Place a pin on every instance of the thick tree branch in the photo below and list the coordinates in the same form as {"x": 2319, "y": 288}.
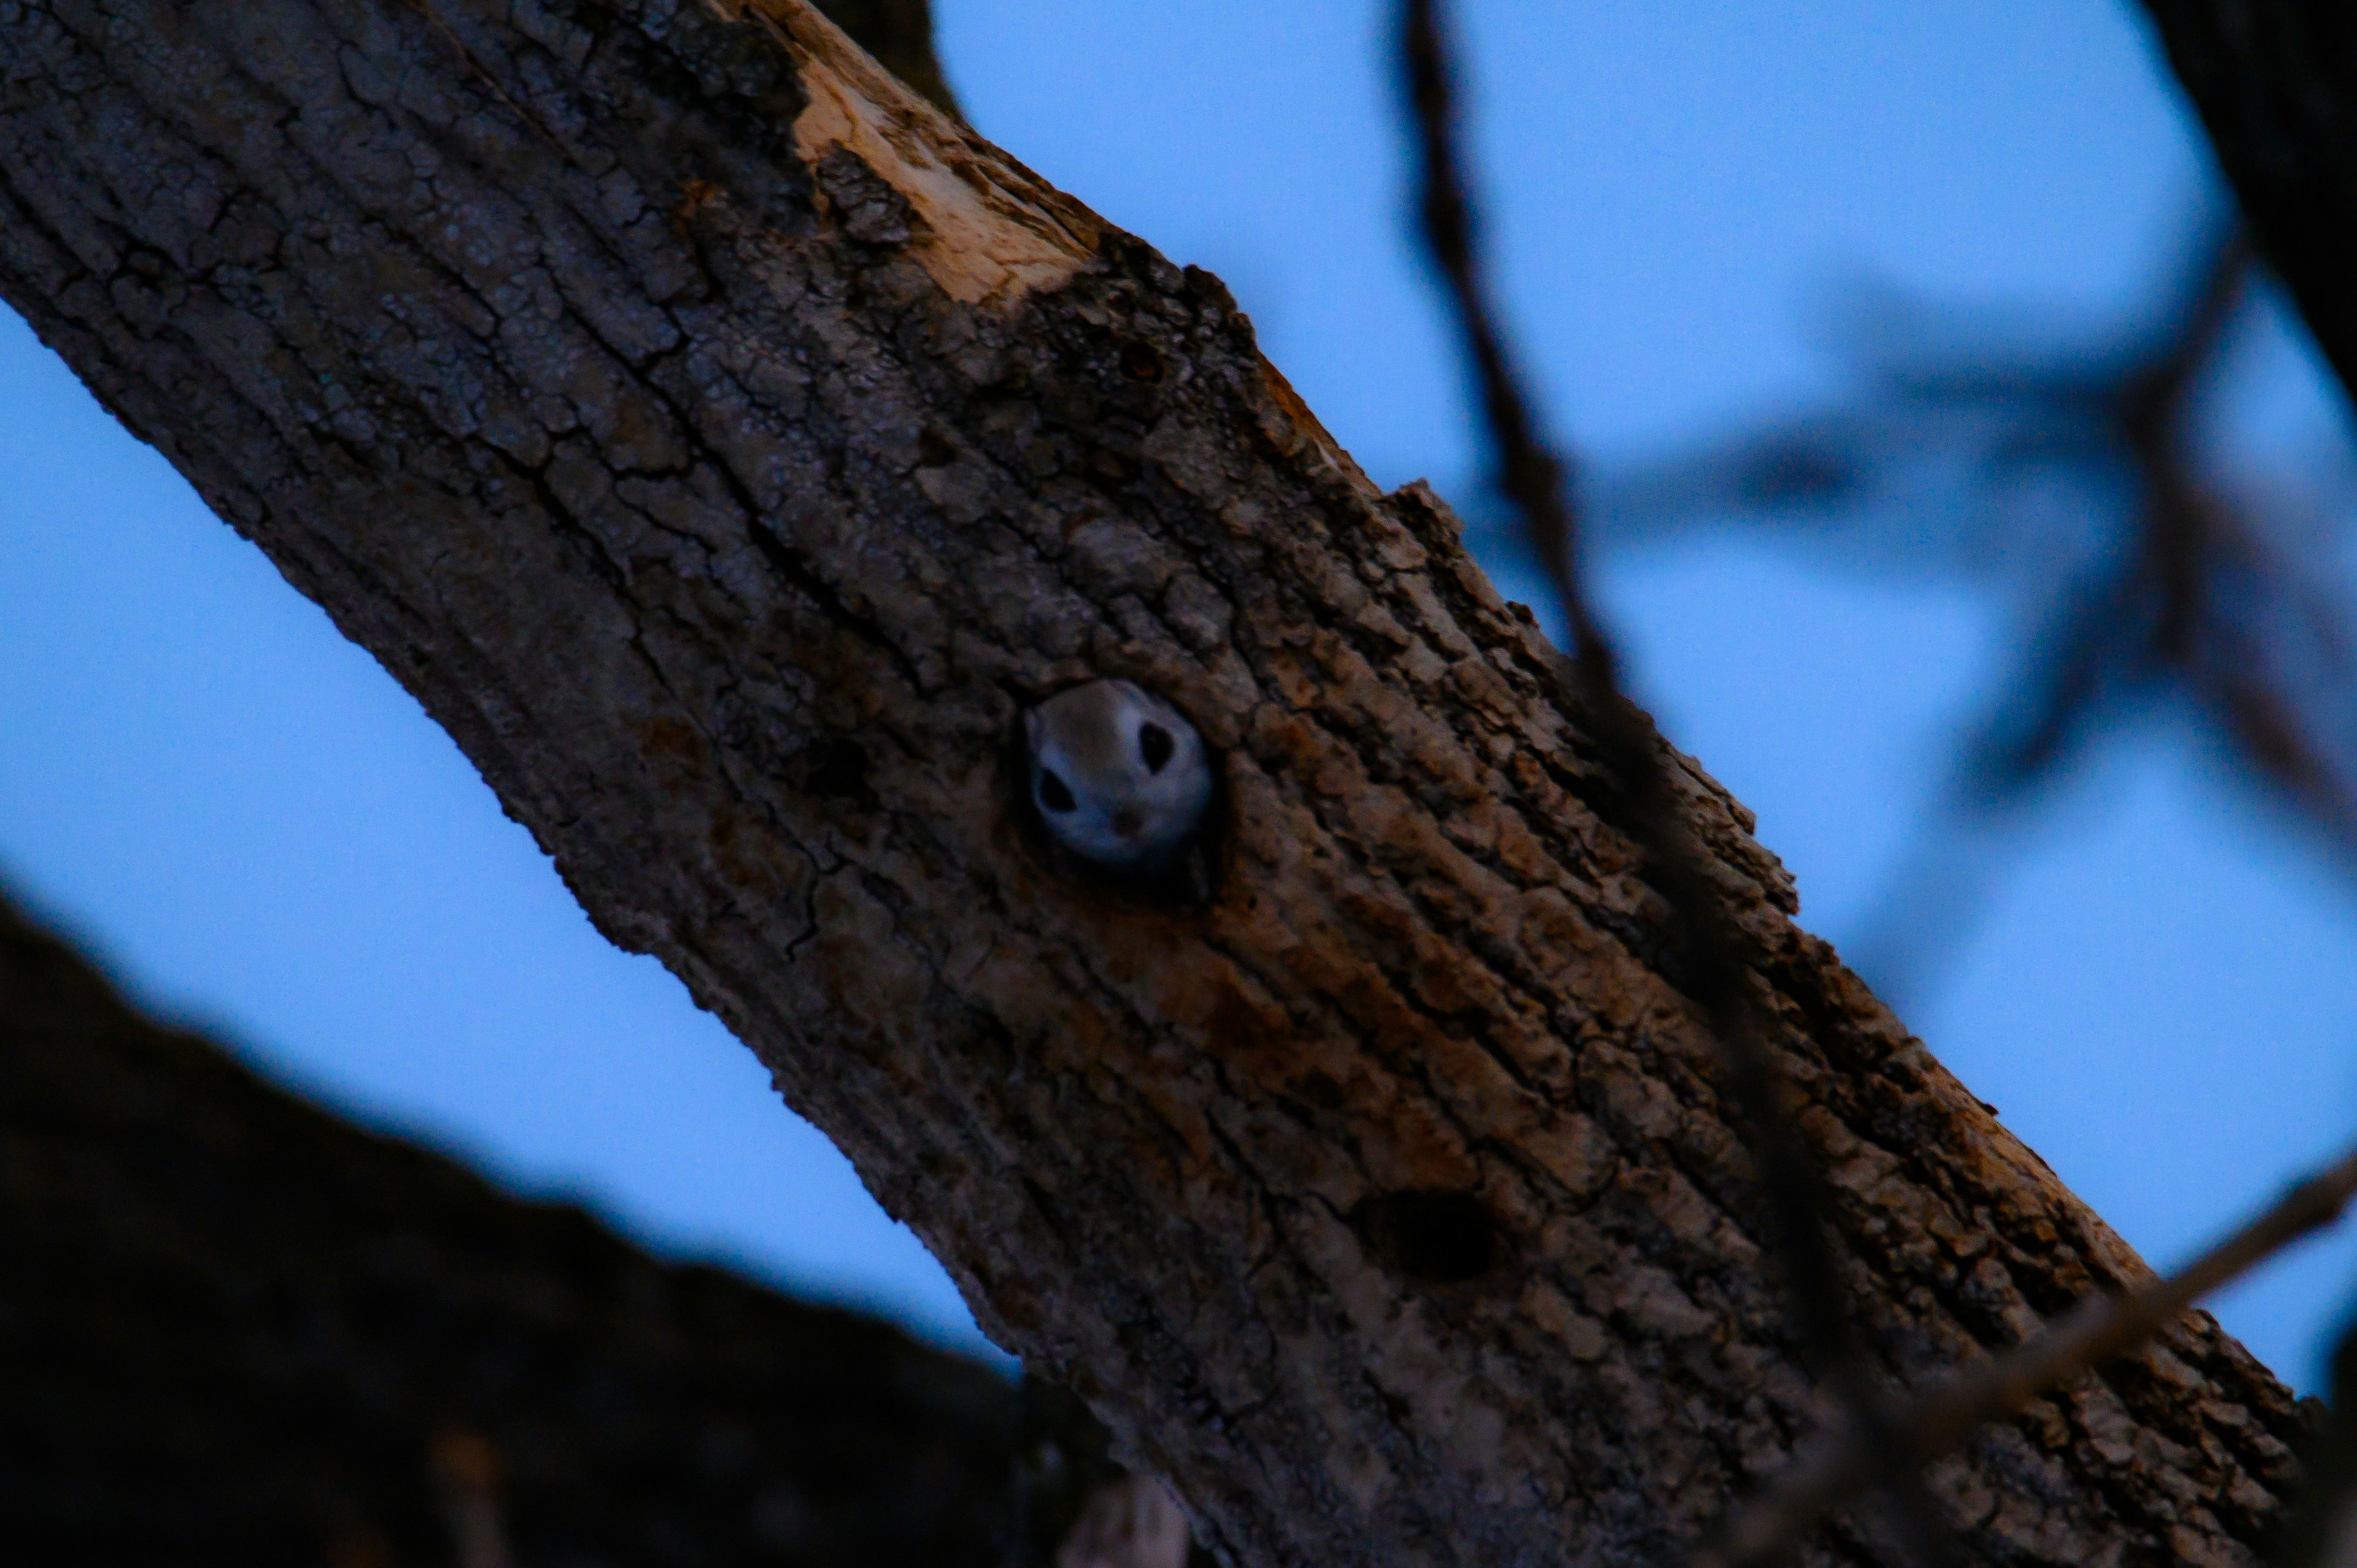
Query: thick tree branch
{"x": 1532, "y": 479}
{"x": 725, "y": 445}
{"x": 1849, "y": 1456}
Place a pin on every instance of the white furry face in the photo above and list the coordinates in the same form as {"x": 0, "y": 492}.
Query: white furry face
{"x": 1119, "y": 777}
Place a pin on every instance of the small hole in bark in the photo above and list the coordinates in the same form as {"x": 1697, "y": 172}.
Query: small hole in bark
{"x": 1140, "y": 364}
{"x": 838, "y": 769}
{"x": 935, "y": 450}
{"x": 1441, "y": 1237}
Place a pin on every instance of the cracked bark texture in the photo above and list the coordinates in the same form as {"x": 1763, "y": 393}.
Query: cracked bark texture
{"x": 723, "y": 445}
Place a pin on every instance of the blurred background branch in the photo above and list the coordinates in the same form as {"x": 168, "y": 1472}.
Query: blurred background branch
{"x": 2081, "y": 478}
{"x": 236, "y": 1329}
{"x": 1531, "y": 479}
{"x": 2083, "y": 473}
{"x": 1896, "y": 483}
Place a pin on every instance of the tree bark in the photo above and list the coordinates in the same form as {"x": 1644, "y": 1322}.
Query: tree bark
{"x": 2276, "y": 84}
{"x": 724, "y": 447}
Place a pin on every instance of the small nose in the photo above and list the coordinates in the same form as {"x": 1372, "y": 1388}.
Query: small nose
{"x": 1127, "y": 824}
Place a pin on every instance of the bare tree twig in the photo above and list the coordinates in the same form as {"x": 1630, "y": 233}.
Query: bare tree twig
{"x": 1531, "y": 477}
{"x": 1848, "y": 1459}
{"x": 1880, "y": 1442}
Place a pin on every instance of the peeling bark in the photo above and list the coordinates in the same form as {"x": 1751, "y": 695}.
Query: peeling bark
{"x": 725, "y": 445}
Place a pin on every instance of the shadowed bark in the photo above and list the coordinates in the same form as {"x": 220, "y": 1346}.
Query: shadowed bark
{"x": 235, "y": 1330}
{"x": 725, "y": 446}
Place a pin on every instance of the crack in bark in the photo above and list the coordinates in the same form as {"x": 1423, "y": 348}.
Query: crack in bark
{"x": 1135, "y": 1135}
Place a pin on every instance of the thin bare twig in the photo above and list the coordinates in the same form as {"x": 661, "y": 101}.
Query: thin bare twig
{"x": 1879, "y": 1441}
{"x": 1847, "y": 1460}
{"x": 1531, "y": 477}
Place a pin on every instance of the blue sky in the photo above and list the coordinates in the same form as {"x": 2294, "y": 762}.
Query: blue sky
{"x": 261, "y": 834}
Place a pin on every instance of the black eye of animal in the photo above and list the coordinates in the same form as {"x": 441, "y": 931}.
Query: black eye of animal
{"x": 1053, "y": 792}
{"x": 1154, "y": 743}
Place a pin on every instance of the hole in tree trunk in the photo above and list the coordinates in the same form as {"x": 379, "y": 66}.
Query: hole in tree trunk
{"x": 1441, "y": 1237}
{"x": 837, "y": 770}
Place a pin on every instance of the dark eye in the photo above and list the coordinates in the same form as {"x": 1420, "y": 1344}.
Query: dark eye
{"x": 1154, "y": 743}
{"x": 1053, "y": 794}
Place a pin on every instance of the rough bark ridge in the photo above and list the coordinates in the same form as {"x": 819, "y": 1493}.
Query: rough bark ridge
{"x": 723, "y": 445}
{"x": 232, "y": 1330}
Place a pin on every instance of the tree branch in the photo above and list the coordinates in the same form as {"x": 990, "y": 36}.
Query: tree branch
{"x": 725, "y": 446}
{"x": 1532, "y": 479}
{"x": 1850, "y": 1458}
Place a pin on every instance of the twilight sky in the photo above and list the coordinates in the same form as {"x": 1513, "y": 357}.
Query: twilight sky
{"x": 261, "y": 835}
